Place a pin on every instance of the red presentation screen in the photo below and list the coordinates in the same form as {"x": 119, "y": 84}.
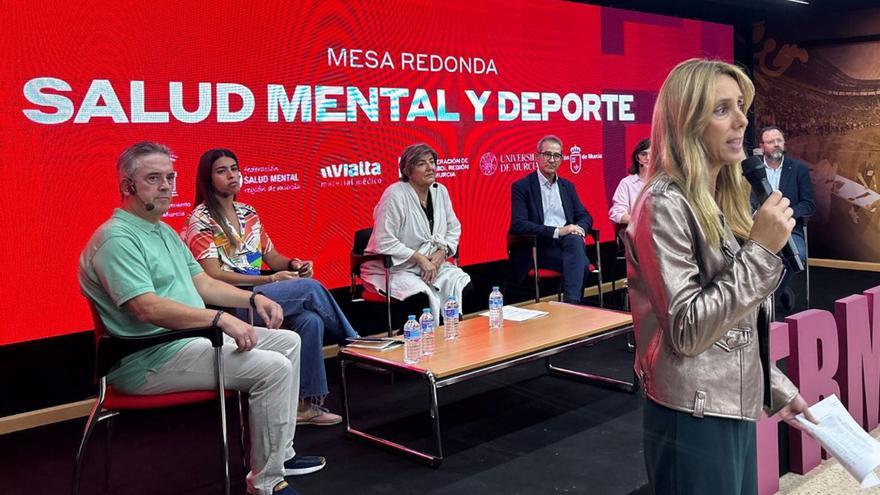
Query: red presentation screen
{"x": 317, "y": 99}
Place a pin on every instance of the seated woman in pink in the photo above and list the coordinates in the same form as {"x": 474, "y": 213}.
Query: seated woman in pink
{"x": 631, "y": 185}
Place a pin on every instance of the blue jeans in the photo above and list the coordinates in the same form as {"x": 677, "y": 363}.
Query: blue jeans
{"x": 309, "y": 310}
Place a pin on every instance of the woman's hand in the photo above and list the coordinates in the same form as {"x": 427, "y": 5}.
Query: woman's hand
{"x": 428, "y": 268}
{"x": 283, "y": 275}
{"x": 307, "y": 269}
{"x": 773, "y": 223}
{"x": 792, "y": 409}
{"x": 438, "y": 257}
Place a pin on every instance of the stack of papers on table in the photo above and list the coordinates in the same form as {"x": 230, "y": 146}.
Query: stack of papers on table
{"x": 513, "y": 313}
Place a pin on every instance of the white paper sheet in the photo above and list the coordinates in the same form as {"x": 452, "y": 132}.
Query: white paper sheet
{"x": 844, "y": 439}
{"x": 513, "y": 313}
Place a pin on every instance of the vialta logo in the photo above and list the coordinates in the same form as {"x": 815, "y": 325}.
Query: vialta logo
{"x": 358, "y": 169}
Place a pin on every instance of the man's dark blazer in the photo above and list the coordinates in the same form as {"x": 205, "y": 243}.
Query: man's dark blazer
{"x": 527, "y": 217}
{"x": 795, "y": 184}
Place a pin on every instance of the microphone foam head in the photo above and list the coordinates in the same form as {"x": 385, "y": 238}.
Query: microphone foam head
{"x": 753, "y": 168}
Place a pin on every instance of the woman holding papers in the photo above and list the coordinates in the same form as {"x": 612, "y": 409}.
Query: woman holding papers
{"x": 415, "y": 224}
{"x": 230, "y": 243}
{"x": 701, "y": 272}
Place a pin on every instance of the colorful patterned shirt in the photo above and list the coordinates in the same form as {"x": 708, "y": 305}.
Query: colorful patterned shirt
{"x": 206, "y": 239}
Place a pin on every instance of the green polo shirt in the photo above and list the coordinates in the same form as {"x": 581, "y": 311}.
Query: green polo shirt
{"x": 126, "y": 257}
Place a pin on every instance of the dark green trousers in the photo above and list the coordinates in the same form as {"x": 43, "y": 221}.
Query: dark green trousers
{"x": 700, "y": 456}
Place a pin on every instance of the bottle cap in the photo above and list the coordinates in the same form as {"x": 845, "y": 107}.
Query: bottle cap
{"x": 412, "y": 317}
{"x": 494, "y": 288}
{"x": 426, "y": 310}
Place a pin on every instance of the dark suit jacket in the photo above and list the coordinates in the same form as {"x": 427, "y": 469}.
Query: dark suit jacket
{"x": 527, "y": 216}
{"x": 795, "y": 184}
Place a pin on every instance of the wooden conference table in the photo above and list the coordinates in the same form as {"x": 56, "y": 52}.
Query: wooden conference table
{"x": 479, "y": 351}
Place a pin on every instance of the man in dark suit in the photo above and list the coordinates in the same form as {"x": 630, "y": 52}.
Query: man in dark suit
{"x": 791, "y": 177}
{"x": 547, "y": 206}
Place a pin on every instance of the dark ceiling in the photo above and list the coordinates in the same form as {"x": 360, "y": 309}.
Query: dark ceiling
{"x": 737, "y": 11}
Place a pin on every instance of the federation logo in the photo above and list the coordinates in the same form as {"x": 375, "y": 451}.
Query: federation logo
{"x": 574, "y": 159}
{"x": 488, "y": 163}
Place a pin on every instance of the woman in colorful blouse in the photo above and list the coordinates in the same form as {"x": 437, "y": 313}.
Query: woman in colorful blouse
{"x": 229, "y": 241}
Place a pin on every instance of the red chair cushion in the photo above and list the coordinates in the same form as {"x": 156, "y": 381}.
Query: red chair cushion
{"x": 545, "y": 273}
{"x": 120, "y": 401}
{"x": 371, "y": 296}
{"x": 592, "y": 267}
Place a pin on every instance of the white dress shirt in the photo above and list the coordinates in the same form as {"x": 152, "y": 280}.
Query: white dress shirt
{"x": 554, "y": 214}
{"x": 774, "y": 174}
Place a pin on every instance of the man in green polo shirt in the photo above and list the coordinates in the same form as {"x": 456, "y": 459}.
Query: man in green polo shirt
{"x": 144, "y": 280}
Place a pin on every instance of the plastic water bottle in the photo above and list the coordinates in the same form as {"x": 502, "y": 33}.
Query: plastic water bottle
{"x": 412, "y": 340}
{"x": 427, "y": 326}
{"x": 450, "y": 319}
{"x": 496, "y": 309}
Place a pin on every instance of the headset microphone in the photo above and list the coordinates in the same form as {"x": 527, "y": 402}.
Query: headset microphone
{"x": 147, "y": 205}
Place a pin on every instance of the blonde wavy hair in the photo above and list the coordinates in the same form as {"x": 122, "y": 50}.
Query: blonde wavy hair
{"x": 682, "y": 112}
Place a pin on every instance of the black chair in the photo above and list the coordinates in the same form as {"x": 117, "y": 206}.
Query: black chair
{"x": 110, "y": 349}
{"x": 359, "y": 292}
{"x": 619, "y": 260}
{"x": 362, "y": 294}
{"x": 514, "y": 241}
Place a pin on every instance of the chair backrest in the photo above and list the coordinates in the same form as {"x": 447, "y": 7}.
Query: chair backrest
{"x": 361, "y": 239}
{"x": 104, "y": 358}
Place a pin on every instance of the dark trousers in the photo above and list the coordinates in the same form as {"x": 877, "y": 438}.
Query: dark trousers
{"x": 801, "y": 244}
{"x": 566, "y": 255}
{"x": 689, "y": 455}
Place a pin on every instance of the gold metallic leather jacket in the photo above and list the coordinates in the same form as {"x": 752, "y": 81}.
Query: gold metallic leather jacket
{"x": 695, "y": 311}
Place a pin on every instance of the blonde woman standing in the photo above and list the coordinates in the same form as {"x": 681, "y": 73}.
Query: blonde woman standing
{"x": 701, "y": 271}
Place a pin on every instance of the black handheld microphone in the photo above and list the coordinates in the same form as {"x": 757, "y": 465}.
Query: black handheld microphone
{"x": 147, "y": 205}
{"x": 754, "y": 171}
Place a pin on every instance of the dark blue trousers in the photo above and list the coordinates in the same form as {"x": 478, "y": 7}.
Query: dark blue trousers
{"x": 566, "y": 255}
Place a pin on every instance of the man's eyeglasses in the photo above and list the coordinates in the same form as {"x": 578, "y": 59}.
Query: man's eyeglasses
{"x": 775, "y": 141}
{"x": 550, "y": 156}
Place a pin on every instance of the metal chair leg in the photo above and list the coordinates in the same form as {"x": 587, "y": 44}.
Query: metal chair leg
{"x": 218, "y": 357}
{"x": 537, "y": 278}
{"x": 108, "y": 454}
{"x": 388, "y": 301}
{"x": 243, "y": 437}
{"x": 87, "y": 433}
